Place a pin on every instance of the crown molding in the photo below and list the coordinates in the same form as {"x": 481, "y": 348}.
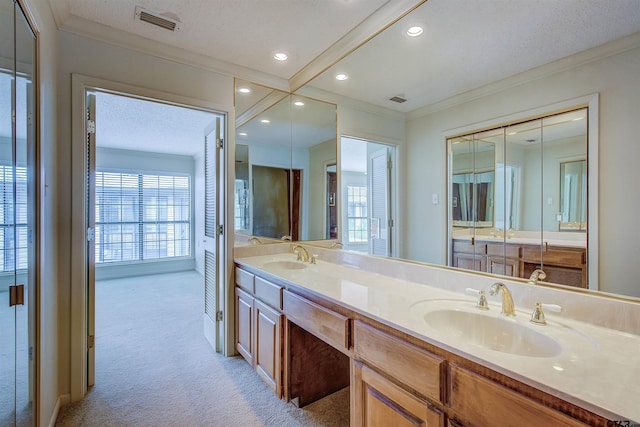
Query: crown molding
{"x": 581, "y": 58}
{"x": 102, "y": 33}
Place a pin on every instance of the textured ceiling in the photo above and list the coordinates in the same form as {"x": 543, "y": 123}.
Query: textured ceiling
{"x": 469, "y": 44}
{"x": 241, "y": 32}
{"x": 134, "y": 124}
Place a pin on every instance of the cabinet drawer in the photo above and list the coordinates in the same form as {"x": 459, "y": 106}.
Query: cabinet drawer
{"x": 331, "y": 327}
{"x": 244, "y": 279}
{"x": 551, "y": 255}
{"x": 498, "y": 249}
{"x": 410, "y": 365}
{"x": 481, "y": 402}
{"x": 268, "y": 292}
{"x": 465, "y": 246}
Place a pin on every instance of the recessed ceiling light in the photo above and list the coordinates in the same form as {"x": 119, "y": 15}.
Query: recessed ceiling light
{"x": 512, "y": 133}
{"x": 280, "y": 56}
{"x": 578, "y": 118}
{"x": 244, "y": 90}
{"x": 415, "y": 31}
{"x": 298, "y": 103}
{"x": 265, "y": 121}
{"x": 341, "y": 76}
{"x": 242, "y": 133}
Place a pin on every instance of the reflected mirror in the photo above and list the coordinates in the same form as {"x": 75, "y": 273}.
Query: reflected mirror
{"x": 286, "y": 159}
{"x": 524, "y": 229}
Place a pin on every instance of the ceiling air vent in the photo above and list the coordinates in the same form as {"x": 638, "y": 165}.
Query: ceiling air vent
{"x": 398, "y": 99}
{"x": 158, "y": 20}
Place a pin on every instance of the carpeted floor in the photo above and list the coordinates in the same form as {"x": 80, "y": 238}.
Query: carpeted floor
{"x": 155, "y": 368}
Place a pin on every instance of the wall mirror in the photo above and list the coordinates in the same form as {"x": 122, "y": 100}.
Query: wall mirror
{"x": 450, "y": 82}
{"x": 539, "y": 170}
{"x": 286, "y": 147}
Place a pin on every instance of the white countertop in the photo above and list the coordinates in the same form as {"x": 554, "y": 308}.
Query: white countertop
{"x": 597, "y": 369}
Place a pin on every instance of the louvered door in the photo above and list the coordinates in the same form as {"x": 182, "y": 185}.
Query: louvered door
{"x": 212, "y": 232}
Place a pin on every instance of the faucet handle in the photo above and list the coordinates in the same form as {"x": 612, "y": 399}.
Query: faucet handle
{"x": 537, "y": 316}
{"x": 482, "y": 303}
{"x": 314, "y": 259}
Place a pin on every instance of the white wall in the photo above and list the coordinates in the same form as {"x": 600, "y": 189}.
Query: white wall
{"x": 48, "y": 221}
{"x": 92, "y": 58}
{"x": 615, "y": 78}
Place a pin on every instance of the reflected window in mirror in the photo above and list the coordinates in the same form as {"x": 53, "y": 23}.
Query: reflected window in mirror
{"x": 573, "y": 196}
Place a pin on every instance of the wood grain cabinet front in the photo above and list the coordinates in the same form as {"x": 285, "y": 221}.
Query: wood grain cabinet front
{"x": 378, "y": 402}
{"x": 244, "y": 324}
{"x": 267, "y": 345}
{"x": 478, "y": 401}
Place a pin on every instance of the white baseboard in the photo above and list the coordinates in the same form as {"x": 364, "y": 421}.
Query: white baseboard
{"x": 62, "y": 400}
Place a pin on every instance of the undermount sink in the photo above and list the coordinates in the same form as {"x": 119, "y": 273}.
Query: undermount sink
{"x": 500, "y": 334}
{"x": 285, "y": 265}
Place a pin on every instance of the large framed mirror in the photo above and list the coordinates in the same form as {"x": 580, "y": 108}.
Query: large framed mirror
{"x": 451, "y": 82}
{"x": 286, "y": 157}
{"x": 539, "y": 170}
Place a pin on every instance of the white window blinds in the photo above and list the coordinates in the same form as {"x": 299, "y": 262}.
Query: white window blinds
{"x": 142, "y": 216}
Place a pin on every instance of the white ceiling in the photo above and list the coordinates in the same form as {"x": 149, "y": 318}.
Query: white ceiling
{"x": 466, "y": 44}
{"x": 470, "y": 44}
{"x": 135, "y": 124}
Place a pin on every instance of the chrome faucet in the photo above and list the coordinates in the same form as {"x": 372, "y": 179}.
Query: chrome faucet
{"x": 537, "y": 274}
{"x": 302, "y": 253}
{"x": 508, "y": 308}
{"x": 254, "y": 239}
{"x": 286, "y": 238}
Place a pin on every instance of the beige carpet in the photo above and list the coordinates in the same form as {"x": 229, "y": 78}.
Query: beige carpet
{"x": 155, "y": 368}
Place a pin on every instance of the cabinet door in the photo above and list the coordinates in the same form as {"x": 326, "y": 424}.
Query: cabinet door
{"x": 244, "y": 324}
{"x": 267, "y": 355}
{"x": 470, "y": 261}
{"x": 504, "y": 267}
{"x": 377, "y": 402}
{"x": 481, "y": 402}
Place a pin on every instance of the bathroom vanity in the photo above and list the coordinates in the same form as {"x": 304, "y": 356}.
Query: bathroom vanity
{"x": 415, "y": 350}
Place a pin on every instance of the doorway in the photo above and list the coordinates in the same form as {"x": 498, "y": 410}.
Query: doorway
{"x": 368, "y": 180}
{"x": 154, "y": 180}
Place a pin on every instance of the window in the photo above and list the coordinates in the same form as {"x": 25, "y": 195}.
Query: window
{"x": 357, "y": 214}
{"x": 9, "y": 262}
{"x": 142, "y": 216}
{"x": 242, "y": 204}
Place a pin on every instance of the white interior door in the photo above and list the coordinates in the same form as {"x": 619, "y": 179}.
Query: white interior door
{"x": 213, "y": 321}
{"x": 379, "y": 207}
{"x": 91, "y": 227}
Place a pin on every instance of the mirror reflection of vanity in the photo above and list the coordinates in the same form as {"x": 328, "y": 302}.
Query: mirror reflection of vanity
{"x": 538, "y": 219}
{"x": 286, "y": 159}
{"x": 544, "y": 196}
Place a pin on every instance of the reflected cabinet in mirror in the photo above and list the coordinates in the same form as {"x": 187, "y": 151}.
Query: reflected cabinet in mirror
{"x": 518, "y": 199}
{"x": 286, "y": 181}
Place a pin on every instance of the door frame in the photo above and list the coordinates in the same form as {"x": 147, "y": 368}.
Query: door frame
{"x": 80, "y": 84}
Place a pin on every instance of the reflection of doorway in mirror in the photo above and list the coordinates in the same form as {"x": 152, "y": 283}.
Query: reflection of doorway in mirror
{"x": 367, "y": 180}
{"x": 332, "y": 208}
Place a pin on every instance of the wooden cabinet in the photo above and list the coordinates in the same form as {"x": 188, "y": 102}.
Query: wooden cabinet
{"x": 267, "y": 345}
{"x": 378, "y": 402}
{"x": 244, "y": 324}
{"x": 258, "y": 329}
{"x": 564, "y": 265}
{"x": 478, "y": 401}
{"x": 305, "y": 350}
